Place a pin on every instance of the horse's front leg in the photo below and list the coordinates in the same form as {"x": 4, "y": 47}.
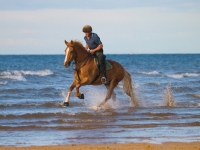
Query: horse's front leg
{"x": 83, "y": 81}
{"x": 78, "y": 94}
{"x": 66, "y": 102}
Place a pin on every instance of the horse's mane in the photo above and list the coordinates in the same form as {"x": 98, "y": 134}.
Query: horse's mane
{"x": 76, "y": 42}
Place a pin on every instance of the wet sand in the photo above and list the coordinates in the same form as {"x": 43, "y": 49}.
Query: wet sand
{"x": 130, "y": 146}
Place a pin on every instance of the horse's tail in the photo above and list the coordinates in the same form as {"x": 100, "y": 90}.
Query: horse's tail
{"x": 128, "y": 88}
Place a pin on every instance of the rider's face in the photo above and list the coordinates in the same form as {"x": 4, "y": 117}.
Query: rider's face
{"x": 87, "y": 34}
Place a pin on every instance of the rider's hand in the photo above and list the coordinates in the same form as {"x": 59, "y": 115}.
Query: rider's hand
{"x": 92, "y": 51}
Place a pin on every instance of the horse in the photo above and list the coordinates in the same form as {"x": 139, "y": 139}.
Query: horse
{"x": 86, "y": 73}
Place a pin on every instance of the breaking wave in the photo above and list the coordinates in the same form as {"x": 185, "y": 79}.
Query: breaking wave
{"x": 150, "y": 73}
{"x": 3, "y": 83}
{"x": 57, "y": 114}
{"x": 182, "y": 75}
{"x": 19, "y": 74}
{"x": 176, "y": 76}
{"x": 194, "y": 95}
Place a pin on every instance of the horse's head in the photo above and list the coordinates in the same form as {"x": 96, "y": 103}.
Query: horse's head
{"x": 69, "y": 53}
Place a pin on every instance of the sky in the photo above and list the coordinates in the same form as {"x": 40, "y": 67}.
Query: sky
{"x": 124, "y": 27}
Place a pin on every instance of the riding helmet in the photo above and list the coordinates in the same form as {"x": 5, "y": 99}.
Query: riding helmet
{"x": 87, "y": 28}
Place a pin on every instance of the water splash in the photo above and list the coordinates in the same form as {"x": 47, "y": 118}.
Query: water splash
{"x": 168, "y": 98}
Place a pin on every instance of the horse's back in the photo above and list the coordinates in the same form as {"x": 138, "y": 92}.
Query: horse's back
{"x": 115, "y": 64}
{"x": 116, "y": 71}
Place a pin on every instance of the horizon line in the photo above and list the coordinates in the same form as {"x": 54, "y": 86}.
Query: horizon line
{"x": 118, "y": 54}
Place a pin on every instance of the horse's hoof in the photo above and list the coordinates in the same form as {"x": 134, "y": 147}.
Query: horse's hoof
{"x": 81, "y": 96}
{"x": 65, "y": 104}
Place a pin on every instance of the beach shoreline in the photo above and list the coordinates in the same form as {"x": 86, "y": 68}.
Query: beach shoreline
{"x": 117, "y": 146}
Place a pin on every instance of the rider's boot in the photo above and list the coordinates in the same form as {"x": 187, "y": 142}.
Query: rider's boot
{"x": 103, "y": 80}
{"x": 103, "y": 72}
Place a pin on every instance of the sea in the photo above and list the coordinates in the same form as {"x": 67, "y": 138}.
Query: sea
{"x": 32, "y": 88}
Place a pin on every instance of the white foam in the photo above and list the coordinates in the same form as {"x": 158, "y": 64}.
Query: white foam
{"x": 176, "y": 76}
{"x": 3, "y": 83}
{"x": 191, "y": 74}
{"x": 19, "y": 74}
{"x": 38, "y": 73}
{"x": 14, "y": 75}
{"x": 150, "y": 73}
{"x": 181, "y": 75}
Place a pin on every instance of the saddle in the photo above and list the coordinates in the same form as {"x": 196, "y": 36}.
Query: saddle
{"x": 108, "y": 65}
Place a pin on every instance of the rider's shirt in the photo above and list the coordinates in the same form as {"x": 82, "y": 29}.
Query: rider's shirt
{"x": 93, "y": 42}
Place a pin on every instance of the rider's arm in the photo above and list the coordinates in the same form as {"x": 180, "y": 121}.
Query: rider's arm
{"x": 86, "y": 46}
{"x": 97, "y": 48}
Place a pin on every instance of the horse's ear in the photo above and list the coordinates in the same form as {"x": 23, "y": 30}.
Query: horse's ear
{"x": 65, "y": 42}
{"x": 72, "y": 42}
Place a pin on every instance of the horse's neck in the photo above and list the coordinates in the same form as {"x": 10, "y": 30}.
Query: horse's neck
{"x": 81, "y": 53}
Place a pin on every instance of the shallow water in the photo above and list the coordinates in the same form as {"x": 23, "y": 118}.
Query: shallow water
{"x": 32, "y": 88}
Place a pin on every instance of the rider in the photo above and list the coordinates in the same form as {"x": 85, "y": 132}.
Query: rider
{"x": 95, "y": 46}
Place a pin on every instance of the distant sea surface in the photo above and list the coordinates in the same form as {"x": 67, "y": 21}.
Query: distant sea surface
{"x": 32, "y": 86}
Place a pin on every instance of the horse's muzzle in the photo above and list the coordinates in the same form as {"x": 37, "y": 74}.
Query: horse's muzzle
{"x": 67, "y": 64}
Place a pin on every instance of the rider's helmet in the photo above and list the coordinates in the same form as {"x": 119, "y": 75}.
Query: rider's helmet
{"x": 87, "y": 28}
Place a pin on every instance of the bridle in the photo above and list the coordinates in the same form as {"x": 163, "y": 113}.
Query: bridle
{"x": 73, "y": 52}
{"x": 77, "y": 62}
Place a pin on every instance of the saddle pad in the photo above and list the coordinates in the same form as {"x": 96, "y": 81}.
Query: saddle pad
{"x": 108, "y": 65}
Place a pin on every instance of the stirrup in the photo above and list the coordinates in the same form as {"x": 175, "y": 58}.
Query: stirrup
{"x": 103, "y": 80}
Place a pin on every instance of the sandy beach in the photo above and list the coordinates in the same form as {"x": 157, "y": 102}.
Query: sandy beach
{"x": 130, "y": 146}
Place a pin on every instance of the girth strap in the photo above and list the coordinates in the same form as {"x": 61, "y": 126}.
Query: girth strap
{"x": 96, "y": 78}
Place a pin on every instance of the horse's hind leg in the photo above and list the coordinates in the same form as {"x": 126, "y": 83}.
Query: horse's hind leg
{"x": 113, "y": 96}
{"x": 113, "y": 84}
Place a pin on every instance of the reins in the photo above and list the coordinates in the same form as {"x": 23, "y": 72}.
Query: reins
{"x": 78, "y": 69}
{"x": 83, "y": 59}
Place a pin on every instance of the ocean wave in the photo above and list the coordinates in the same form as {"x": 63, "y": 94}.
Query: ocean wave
{"x": 182, "y": 75}
{"x": 181, "y": 89}
{"x": 46, "y": 127}
{"x": 13, "y": 75}
{"x": 46, "y": 104}
{"x": 19, "y": 105}
{"x": 194, "y": 95}
{"x": 154, "y": 83}
{"x": 40, "y": 115}
{"x": 150, "y": 73}
{"x": 191, "y": 74}
{"x": 19, "y": 74}
{"x": 176, "y": 76}
{"x": 33, "y": 115}
{"x": 3, "y": 83}
{"x": 79, "y": 121}
{"x": 38, "y": 73}
{"x": 46, "y": 89}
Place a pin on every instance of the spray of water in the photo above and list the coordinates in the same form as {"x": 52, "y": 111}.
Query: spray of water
{"x": 168, "y": 98}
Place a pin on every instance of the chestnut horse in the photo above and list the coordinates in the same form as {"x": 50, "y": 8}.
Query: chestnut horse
{"x": 86, "y": 73}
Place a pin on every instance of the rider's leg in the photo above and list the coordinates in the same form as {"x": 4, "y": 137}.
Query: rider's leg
{"x": 101, "y": 61}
